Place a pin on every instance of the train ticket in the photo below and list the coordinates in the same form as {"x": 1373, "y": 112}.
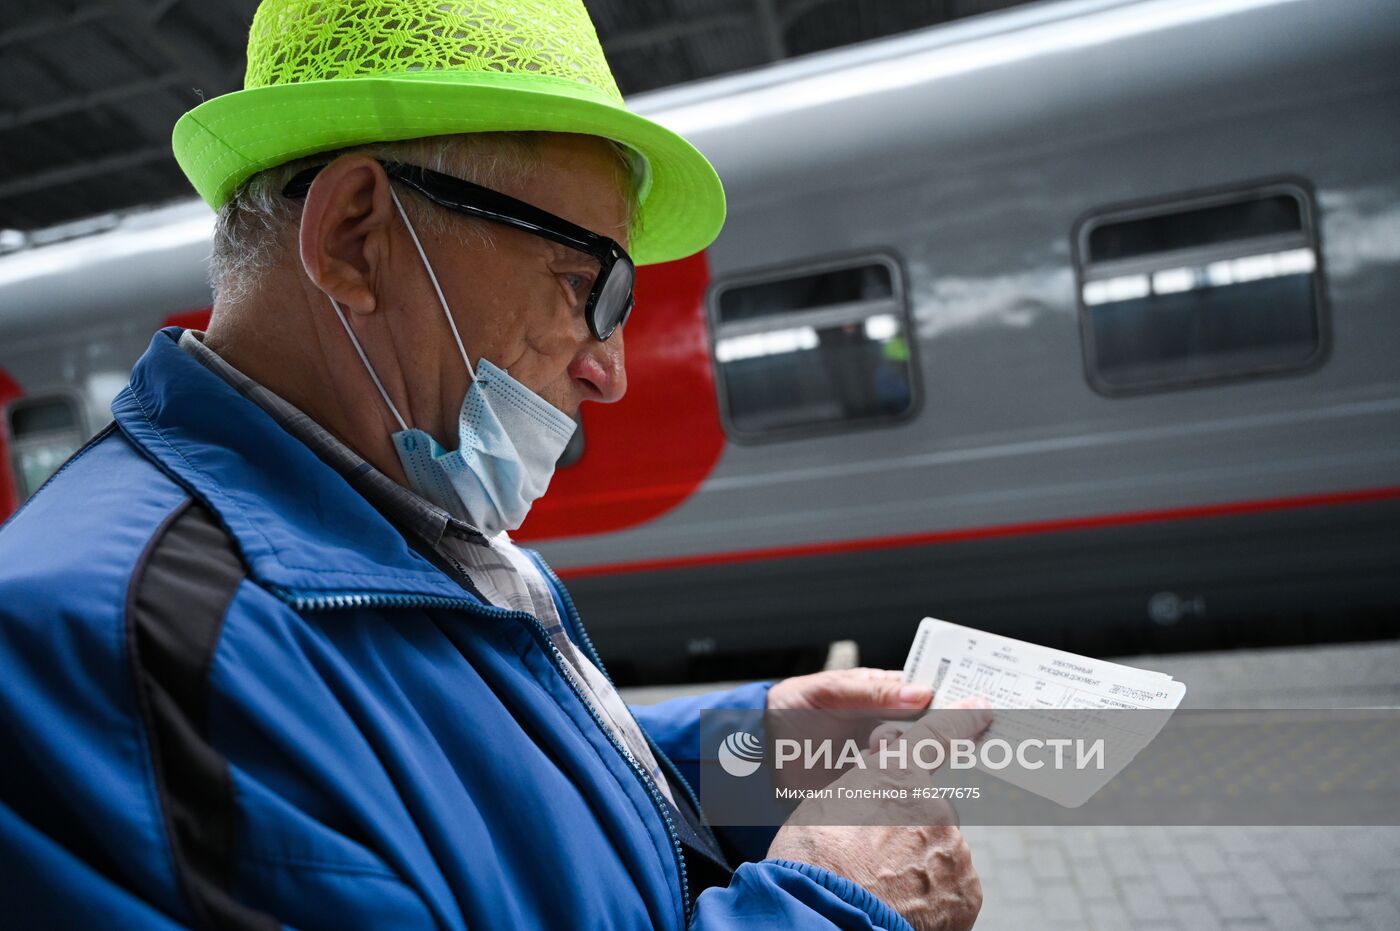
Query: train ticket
{"x": 1052, "y": 694}
{"x": 962, "y": 662}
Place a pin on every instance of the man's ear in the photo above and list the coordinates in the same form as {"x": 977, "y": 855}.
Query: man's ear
{"x": 345, "y": 225}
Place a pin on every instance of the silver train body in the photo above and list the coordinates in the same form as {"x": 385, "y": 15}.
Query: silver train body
{"x": 1134, "y": 268}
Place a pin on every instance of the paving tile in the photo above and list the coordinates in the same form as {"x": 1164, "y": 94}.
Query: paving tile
{"x": 1255, "y": 874}
{"x": 1288, "y": 855}
{"x": 1363, "y": 868}
{"x": 1105, "y": 916}
{"x": 1229, "y": 899}
{"x": 1006, "y": 916}
{"x": 1095, "y": 881}
{"x": 1174, "y": 879}
{"x": 1144, "y": 900}
{"x": 1048, "y": 861}
{"x": 1085, "y": 853}
{"x": 997, "y": 842}
{"x": 1062, "y": 903}
{"x": 1237, "y": 840}
{"x": 1195, "y": 915}
{"x": 1012, "y": 879}
{"x": 1203, "y": 858}
{"x": 1375, "y": 845}
{"x": 1376, "y": 912}
{"x": 1318, "y": 898}
{"x": 1126, "y": 858}
{"x": 1284, "y": 914}
{"x": 1157, "y": 842}
{"x": 1190, "y": 832}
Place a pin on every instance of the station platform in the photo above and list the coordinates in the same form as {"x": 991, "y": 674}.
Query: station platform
{"x": 1203, "y": 878}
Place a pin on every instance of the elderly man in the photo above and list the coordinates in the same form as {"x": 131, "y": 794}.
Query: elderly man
{"x": 267, "y": 653}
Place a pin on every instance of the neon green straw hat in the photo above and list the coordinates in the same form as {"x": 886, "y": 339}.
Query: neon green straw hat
{"x": 326, "y": 74}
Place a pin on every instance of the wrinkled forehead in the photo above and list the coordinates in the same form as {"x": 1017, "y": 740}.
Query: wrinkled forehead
{"x": 587, "y": 180}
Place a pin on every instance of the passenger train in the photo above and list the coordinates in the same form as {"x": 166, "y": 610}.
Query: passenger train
{"x": 1076, "y": 322}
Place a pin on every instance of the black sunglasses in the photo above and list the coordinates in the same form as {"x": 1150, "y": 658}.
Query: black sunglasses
{"x": 609, "y": 302}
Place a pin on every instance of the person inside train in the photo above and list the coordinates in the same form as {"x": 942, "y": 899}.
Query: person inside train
{"x": 268, "y": 655}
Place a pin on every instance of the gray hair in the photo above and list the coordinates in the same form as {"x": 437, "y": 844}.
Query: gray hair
{"x": 252, "y": 231}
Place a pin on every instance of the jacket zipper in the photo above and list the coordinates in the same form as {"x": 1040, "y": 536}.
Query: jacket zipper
{"x": 347, "y": 600}
{"x": 597, "y": 660}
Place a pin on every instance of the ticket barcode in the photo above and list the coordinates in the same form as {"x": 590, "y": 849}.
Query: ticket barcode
{"x": 916, "y": 655}
{"x": 942, "y": 671}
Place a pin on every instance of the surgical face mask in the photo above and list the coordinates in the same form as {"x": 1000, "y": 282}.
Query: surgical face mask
{"x": 508, "y": 437}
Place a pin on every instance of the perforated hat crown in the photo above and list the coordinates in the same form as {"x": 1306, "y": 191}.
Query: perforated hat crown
{"x": 293, "y": 41}
{"x": 326, "y": 74}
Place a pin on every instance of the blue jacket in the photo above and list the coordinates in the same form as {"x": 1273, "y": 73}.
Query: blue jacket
{"x": 232, "y": 696}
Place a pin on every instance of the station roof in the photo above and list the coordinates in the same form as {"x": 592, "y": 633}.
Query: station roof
{"x": 89, "y": 89}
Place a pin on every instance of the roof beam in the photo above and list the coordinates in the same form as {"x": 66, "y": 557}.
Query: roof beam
{"x": 770, "y": 26}
{"x": 80, "y": 102}
{"x": 654, "y": 35}
{"x": 65, "y": 174}
{"x": 198, "y": 70}
{"x": 39, "y": 28}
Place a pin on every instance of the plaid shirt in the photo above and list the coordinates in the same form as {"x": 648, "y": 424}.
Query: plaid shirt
{"x": 499, "y": 570}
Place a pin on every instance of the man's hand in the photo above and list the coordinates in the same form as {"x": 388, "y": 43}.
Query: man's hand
{"x": 923, "y": 871}
{"x": 921, "y": 867}
{"x": 854, "y": 689}
{"x": 798, "y": 709}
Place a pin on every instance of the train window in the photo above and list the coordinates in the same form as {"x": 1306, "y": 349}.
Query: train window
{"x": 1200, "y": 289}
{"x": 812, "y": 349}
{"x": 44, "y": 432}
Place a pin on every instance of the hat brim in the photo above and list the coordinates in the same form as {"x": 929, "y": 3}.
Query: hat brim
{"x": 224, "y": 141}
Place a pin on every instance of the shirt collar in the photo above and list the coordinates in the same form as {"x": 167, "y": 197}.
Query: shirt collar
{"x": 401, "y": 506}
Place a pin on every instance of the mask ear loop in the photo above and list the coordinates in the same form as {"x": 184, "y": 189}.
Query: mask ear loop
{"x": 451, "y": 324}
{"x": 365, "y": 359}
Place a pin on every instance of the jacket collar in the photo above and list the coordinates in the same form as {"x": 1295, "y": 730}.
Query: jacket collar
{"x": 299, "y": 525}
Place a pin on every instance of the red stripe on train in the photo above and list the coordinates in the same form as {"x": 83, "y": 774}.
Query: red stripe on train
{"x": 9, "y": 489}
{"x": 985, "y": 533}
{"x": 190, "y": 319}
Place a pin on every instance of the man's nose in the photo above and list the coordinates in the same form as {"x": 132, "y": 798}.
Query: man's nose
{"x": 603, "y": 365}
